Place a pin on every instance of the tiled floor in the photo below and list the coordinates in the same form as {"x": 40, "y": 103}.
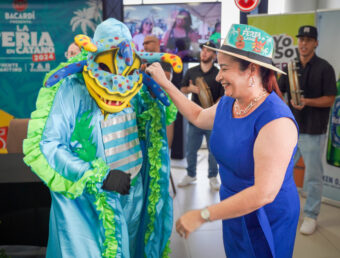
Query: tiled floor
{"x": 207, "y": 241}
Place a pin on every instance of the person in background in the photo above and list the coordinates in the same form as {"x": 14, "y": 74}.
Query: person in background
{"x": 208, "y": 72}
{"x": 72, "y": 50}
{"x": 151, "y": 44}
{"x": 318, "y": 83}
{"x": 145, "y": 29}
{"x": 254, "y": 139}
{"x": 216, "y": 35}
{"x": 178, "y": 38}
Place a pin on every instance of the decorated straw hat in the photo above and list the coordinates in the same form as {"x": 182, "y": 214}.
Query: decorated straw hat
{"x": 249, "y": 43}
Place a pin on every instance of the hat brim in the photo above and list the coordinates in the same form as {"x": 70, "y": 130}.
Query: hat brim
{"x": 274, "y": 68}
{"x": 308, "y": 36}
{"x": 203, "y": 45}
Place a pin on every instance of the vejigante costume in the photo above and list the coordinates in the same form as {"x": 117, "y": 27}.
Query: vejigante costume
{"x": 98, "y": 140}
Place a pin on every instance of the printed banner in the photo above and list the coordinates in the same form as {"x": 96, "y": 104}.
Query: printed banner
{"x": 283, "y": 28}
{"x": 328, "y": 26}
{"x": 34, "y": 36}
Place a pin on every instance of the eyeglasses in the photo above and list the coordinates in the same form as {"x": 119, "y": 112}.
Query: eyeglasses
{"x": 148, "y": 23}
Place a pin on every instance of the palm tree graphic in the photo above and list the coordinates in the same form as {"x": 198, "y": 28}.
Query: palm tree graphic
{"x": 87, "y": 17}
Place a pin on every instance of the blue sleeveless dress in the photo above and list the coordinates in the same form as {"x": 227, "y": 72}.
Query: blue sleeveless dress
{"x": 269, "y": 231}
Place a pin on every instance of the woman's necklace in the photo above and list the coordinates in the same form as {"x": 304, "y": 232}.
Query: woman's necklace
{"x": 240, "y": 112}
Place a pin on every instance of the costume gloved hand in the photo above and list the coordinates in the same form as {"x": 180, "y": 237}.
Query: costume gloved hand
{"x": 117, "y": 181}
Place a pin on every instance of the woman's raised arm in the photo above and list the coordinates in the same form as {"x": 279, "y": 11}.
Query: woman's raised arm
{"x": 202, "y": 118}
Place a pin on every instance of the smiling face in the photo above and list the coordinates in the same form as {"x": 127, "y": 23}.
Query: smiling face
{"x": 234, "y": 81}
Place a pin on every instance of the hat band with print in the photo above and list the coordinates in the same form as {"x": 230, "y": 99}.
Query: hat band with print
{"x": 251, "y": 44}
{"x": 247, "y": 54}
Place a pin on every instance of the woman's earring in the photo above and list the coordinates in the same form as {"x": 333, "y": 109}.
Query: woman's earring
{"x": 251, "y": 82}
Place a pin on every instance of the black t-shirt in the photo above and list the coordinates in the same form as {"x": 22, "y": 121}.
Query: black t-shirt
{"x": 316, "y": 79}
{"x": 216, "y": 88}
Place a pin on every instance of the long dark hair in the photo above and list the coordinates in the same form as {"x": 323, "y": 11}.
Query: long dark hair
{"x": 188, "y": 20}
{"x": 267, "y": 76}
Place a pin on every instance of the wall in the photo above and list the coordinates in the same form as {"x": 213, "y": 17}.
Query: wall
{"x": 286, "y": 6}
{"x": 300, "y": 6}
{"x": 328, "y": 4}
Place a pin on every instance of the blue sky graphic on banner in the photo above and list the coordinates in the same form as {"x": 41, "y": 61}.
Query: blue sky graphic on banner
{"x": 34, "y": 36}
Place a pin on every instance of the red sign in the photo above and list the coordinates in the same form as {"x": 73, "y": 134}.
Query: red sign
{"x": 247, "y": 6}
{"x": 43, "y": 57}
{"x": 3, "y": 137}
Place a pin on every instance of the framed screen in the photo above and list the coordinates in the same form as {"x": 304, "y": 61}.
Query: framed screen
{"x": 181, "y": 28}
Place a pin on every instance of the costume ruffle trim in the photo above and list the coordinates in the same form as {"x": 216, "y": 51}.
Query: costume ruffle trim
{"x": 171, "y": 112}
{"x": 37, "y": 161}
{"x": 167, "y": 250}
{"x": 35, "y": 158}
{"x": 113, "y": 238}
{"x": 153, "y": 114}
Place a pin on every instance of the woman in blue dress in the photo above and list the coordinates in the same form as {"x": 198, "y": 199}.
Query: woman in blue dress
{"x": 254, "y": 138}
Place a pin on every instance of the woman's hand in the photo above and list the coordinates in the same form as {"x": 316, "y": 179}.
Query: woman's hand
{"x": 189, "y": 222}
{"x": 157, "y": 73}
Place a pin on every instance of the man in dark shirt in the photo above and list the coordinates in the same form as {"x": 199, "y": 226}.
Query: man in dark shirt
{"x": 317, "y": 82}
{"x": 208, "y": 71}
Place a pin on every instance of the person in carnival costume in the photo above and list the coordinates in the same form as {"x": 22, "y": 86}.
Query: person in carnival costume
{"x": 98, "y": 141}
